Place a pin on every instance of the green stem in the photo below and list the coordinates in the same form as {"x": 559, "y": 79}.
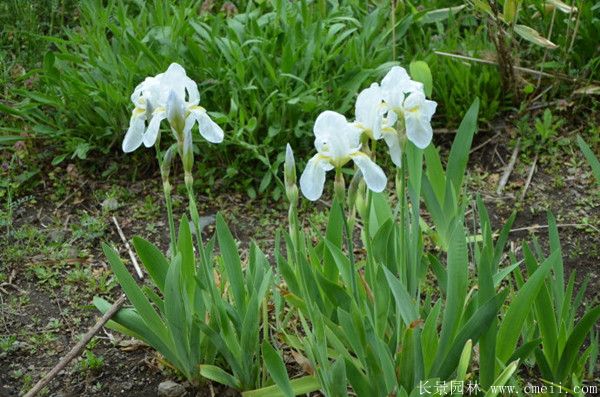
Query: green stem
{"x": 168, "y": 202}
{"x": 339, "y": 186}
{"x": 195, "y": 215}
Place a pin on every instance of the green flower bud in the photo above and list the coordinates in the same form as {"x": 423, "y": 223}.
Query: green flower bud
{"x": 289, "y": 175}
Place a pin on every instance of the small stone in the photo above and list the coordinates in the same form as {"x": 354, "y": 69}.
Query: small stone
{"x": 110, "y": 204}
{"x": 170, "y": 389}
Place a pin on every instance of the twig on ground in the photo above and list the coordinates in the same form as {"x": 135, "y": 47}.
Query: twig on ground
{"x": 476, "y": 148}
{"x": 498, "y": 155}
{"x": 529, "y": 177}
{"x": 70, "y": 195}
{"x": 136, "y": 265}
{"x": 535, "y": 227}
{"x": 519, "y": 68}
{"x": 509, "y": 168}
{"x": 76, "y": 350}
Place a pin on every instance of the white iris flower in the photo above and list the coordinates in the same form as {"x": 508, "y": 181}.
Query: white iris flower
{"x": 337, "y": 142}
{"x": 406, "y": 98}
{"x": 171, "y": 95}
{"x": 372, "y": 120}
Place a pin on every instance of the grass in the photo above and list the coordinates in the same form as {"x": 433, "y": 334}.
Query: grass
{"x": 262, "y": 69}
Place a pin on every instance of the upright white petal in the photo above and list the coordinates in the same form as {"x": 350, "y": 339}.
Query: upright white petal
{"x": 395, "y": 85}
{"x": 335, "y": 137}
{"x": 369, "y": 110}
{"x": 373, "y": 174}
{"x": 175, "y": 108}
{"x": 133, "y": 137}
{"x": 152, "y": 131}
{"x": 312, "y": 179}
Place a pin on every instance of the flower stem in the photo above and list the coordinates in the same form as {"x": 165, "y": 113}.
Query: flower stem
{"x": 339, "y": 186}
{"x": 167, "y": 188}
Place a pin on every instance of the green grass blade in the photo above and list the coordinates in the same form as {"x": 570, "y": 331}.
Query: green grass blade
{"x": 591, "y": 158}
{"x": 502, "y": 379}
{"x": 185, "y": 246}
{"x": 404, "y": 303}
{"x": 435, "y": 172}
{"x": 175, "y": 312}
{"x": 456, "y": 287}
{"x": 473, "y": 329}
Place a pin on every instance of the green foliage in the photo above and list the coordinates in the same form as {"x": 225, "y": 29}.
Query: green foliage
{"x": 590, "y": 157}
{"x": 262, "y": 71}
{"x": 544, "y": 137}
{"x": 91, "y": 362}
{"x": 191, "y": 319}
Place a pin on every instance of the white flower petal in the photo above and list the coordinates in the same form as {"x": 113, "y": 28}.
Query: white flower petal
{"x": 393, "y": 142}
{"x": 419, "y": 131}
{"x": 428, "y": 108}
{"x": 133, "y": 137}
{"x": 152, "y": 132}
{"x": 289, "y": 157}
{"x": 373, "y": 174}
{"x": 334, "y": 136}
{"x": 175, "y": 110}
{"x": 369, "y": 110}
{"x": 396, "y": 85}
{"x": 312, "y": 179}
{"x": 417, "y": 116}
{"x": 208, "y": 128}
{"x": 414, "y": 100}
{"x": 396, "y": 75}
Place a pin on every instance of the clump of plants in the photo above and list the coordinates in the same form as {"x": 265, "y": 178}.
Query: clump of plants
{"x": 369, "y": 324}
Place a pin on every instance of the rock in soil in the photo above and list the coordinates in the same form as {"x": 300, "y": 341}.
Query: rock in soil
{"x": 170, "y": 389}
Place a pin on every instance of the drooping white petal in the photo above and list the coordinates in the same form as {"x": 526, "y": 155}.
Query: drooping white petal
{"x": 133, "y": 137}
{"x": 393, "y": 142}
{"x": 209, "y": 129}
{"x": 428, "y": 108}
{"x": 417, "y": 116}
{"x": 419, "y": 131}
{"x": 312, "y": 179}
{"x": 373, "y": 174}
{"x": 152, "y": 132}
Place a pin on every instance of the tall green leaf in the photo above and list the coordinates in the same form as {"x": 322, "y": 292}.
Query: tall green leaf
{"x": 231, "y": 262}
{"x": 135, "y": 294}
{"x": 459, "y": 153}
{"x": 510, "y": 329}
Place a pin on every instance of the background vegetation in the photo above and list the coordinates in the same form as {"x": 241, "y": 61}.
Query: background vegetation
{"x": 263, "y": 66}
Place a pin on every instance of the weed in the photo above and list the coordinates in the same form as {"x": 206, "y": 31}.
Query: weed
{"x": 91, "y": 362}
{"x": 7, "y": 342}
